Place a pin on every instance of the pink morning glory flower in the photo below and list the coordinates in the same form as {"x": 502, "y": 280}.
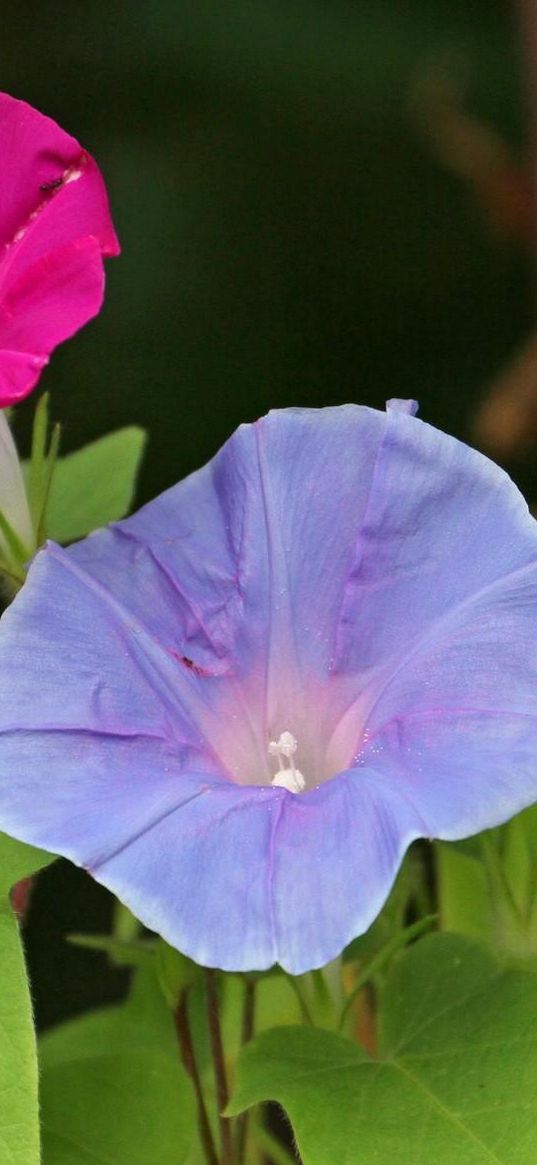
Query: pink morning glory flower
{"x": 238, "y": 707}
{"x": 55, "y": 228}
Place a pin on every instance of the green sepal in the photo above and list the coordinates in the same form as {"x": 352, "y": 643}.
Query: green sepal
{"x": 175, "y": 972}
{"x": 37, "y": 471}
{"x": 95, "y": 485}
{"x": 123, "y": 952}
{"x": 18, "y": 553}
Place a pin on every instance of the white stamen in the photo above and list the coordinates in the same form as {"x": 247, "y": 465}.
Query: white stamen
{"x": 274, "y": 750}
{"x": 292, "y": 781}
{"x": 287, "y": 744}
{"x": 288, "y": 777}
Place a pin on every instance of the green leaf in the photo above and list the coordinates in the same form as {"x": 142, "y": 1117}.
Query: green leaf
{"x": 113, "y": 1090}
{"x": 456, "y": 1082}
{"x": 19, "y": 1121}
{"x": 95, "y": 485}
{"x": 18, "y": 860}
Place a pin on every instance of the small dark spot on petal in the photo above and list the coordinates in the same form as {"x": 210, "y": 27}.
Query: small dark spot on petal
{"x": 52, "y": 185}
{"x": 189, "y": 663}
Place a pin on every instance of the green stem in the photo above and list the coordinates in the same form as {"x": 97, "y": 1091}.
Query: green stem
{"x": 186, "y": 1045}
{"x": 248, "y": 1021}
{"x": 326, "y": 994}
{"x": 496, "y": 874}
{"x": 512, "y": 925}
{"x": 378, "y": 962}
{"x": 319, "y": 983}
{"x": 219, "y": 1065}
{"x": 306, "y": 1013}
{"x": 125, "y": 926}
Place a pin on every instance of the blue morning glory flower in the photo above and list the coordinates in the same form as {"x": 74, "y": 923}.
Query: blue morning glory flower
{"x": 239, "y": 707}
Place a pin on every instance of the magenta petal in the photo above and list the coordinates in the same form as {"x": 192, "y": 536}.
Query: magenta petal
{"x": 35, "y": 154}
{"x": 19, "y": 374}
{"x": 49, "y": 302}
{"x": 55, "y": 228}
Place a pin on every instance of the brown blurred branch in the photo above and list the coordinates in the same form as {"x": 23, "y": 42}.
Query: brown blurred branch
{"x": 477, "y": 154}
{"x": 526, "y": 13}
{"x": 506, "y": 421}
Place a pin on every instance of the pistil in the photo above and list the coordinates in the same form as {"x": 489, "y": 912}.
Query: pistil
{"x": 288, "y": 776}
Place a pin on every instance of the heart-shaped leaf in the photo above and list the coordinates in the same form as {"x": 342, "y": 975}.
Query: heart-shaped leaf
{"x": 455, "y": 1083}
{"x": 113, "y": 1091}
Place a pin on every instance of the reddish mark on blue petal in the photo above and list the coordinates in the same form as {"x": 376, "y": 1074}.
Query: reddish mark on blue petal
{"x": 189, "y": 663}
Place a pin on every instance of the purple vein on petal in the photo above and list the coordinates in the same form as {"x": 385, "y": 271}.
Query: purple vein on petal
{"x": 282, "y": 648}
{"x": 359, "y": 548}
{"x": 197, "y": 683}
{"x": 217, "y": 789}
{"x": 163, "y": 671}
{"x": 430, "y": 635}
{"x": 173, "y": 581}
{"x": 270, "y": 868}
{"x": 93, "y": 733}
{"x": 97, "y": 865}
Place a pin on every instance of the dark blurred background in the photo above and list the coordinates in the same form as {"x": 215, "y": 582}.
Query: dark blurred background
{"x": 297, "y": 227}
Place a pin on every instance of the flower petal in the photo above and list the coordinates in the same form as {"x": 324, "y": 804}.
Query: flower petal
{"x": 336, "y": 852}
{"x": 65, "y": 625}
{"x": 462, "y": 771}
{"x": 457, "y": 718}
{"x": 55, "y": 226}
{"x": 262, "y": 876}
{"x": 355, "y": 565}
{"x": 201, "y": 877}
{"x": 259, "y": 540}
{"x": 112, "y": 773}
{"x": 90, "y": 819}
{"x": 442, "y": 522}
{"x": 48, "y": 303}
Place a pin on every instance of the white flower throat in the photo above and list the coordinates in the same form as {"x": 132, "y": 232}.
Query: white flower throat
{"x": 288, "y": 776}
